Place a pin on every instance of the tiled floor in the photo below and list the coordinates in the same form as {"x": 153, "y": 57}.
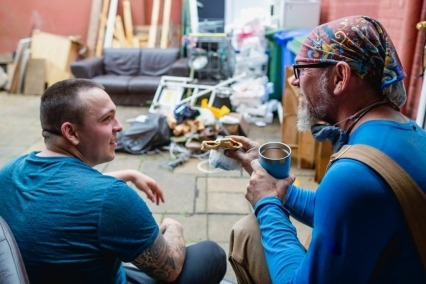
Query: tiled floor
{"x": 207, "y": 204}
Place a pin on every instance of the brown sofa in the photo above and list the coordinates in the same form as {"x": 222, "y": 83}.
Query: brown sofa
{"x": 131, "y": 75}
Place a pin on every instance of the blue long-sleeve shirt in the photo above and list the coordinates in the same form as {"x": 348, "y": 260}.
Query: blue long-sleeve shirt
{"x": 359, "y": 232}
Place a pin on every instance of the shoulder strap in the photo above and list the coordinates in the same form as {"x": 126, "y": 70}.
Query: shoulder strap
{"x": 411, "y": 198}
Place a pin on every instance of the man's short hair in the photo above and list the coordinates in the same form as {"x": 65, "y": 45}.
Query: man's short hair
{"x": 61, "y": 103}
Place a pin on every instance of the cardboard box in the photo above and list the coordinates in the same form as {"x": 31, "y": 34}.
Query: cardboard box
{"x": 242, "y": 128}
{"x": 58, "y": 51}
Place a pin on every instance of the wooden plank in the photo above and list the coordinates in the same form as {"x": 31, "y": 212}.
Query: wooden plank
{"x": 119, "y": 32}
{"x": 166, "y": 24}
{"x": 154, "y": 22}
{"x": 102, "y": 26}
{"x": 128, "y": 23}
{"x": 26, "y": 55}
{"x": 324, "y": 151}
{"x": 95, "y": 13}
{"x": 109, "y": 32}
{"x": 307, "y": 147}
{"x": 35, "y": 77}
{"x": 290, "y": 102}
{"x": 12, "y": 85}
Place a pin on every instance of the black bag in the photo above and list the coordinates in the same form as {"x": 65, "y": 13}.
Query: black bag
{"x": 142, "y": 137}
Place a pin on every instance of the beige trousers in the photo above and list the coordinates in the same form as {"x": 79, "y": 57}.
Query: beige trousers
{"x": 246, "y": 253}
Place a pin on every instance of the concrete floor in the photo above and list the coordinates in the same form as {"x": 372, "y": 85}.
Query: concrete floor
{"x": 207, "y": 204}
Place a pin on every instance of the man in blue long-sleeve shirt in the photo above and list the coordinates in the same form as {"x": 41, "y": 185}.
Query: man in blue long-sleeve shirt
{"x": 349, "y": 75}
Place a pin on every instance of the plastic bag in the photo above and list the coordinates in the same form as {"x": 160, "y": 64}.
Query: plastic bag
{"x": 217, "y": 159}
{"x": 142, "y": 137}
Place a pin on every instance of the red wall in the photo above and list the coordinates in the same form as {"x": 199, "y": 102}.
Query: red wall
{"x": 399, "y": 17}
{"x": 19, "y": 17}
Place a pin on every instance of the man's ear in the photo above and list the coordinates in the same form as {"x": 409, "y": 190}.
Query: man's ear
{"x": 69, "y": 132}
{"x": 342, "y": 75}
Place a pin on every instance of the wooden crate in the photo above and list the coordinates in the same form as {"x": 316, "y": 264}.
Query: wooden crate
{"x": 302, "y": 144}
{"x": 58, "y": 51}
{"x": 323, "y": 153}
{"x": 305, "y": 149}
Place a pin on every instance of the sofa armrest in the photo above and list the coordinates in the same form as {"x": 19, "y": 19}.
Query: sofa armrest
{"x": 179, "y": 68}
{"x": 87, "y": 68}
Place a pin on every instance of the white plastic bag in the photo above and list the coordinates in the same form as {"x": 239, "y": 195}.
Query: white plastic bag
{"x": 217, "y": 159}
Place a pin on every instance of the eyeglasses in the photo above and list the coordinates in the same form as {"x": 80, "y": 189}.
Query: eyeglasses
{"x": 297, "y": 67}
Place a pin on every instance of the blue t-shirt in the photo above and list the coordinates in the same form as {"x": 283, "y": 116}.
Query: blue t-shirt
{"x": 359, "y": 231}
{"x": 72, "y": 223}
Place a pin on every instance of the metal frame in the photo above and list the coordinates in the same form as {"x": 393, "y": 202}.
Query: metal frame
{"x": 184, "y": 92}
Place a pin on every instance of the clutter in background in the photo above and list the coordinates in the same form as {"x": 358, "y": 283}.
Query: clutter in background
{"x": 197, "y": 111}
{"x": 146, "y": 133}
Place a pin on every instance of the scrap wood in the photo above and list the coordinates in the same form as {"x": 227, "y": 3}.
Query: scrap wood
{"x": 111, "y": 23}
{"x": 154, "y": 22}
{"x": 13, "y": 85}
{"x": 102, "y": 25}
{"x": 119, "y": 32}
{"x": 127, "y": 17}
{"x": 189, "y": 126}
{"x": 92, "y": 33}
{"x": 166, "y": 23}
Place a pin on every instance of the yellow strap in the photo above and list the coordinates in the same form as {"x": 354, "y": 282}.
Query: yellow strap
{"x": 411, "y": 198}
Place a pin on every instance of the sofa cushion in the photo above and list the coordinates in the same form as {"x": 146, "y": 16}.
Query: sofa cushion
{"x": 113, "y": 83}
{"x": 157, "y": 61}
{"x": 144, "y": 84}
{"x": 121, "y": 61}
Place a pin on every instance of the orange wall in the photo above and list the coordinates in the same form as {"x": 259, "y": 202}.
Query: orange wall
{"x": 63, "y": 17}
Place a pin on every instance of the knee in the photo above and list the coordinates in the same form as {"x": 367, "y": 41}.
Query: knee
{"x": 246, "y": 226}
{"x": 214, "y": 250}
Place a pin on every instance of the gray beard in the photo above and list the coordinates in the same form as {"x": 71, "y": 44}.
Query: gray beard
{"x": 307, "y": 116}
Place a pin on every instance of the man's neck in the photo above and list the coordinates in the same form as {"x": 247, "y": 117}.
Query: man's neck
{"x": 50, "y": 153}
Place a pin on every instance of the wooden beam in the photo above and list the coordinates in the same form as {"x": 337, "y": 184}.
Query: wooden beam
{"x": 102, "y": 26}
{"x": 95, "y": 14}
{"x": 128, "y": 24}
{"x": 154, "y": 22}
{"x": 111, "y": 23}
{"x": 166, "y": 24}
{"x": 13, "y": 84}
{"x": 119, "y": 32}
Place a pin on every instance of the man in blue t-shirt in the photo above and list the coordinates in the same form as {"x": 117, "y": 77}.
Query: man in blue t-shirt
{"x": 74, "y": 224}
{"x": 349, "y": 78}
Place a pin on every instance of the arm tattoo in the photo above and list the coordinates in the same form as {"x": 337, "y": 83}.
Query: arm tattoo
{"x": 164, "y": 259}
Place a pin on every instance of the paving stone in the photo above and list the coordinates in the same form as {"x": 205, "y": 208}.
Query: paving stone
{"x": 225, "y": 184}
{"x": 207, "y": 204}
{"x": 227, "y": 202}
{"x": 201, "y": 195}
{"x": 194, "y": 226}
{"x": 220, "y": 225}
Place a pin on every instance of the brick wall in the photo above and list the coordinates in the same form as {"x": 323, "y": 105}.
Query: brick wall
{"x": 399, "y": 17}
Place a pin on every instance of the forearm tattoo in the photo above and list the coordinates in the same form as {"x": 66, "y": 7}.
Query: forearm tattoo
{"x": 164, "y": 259}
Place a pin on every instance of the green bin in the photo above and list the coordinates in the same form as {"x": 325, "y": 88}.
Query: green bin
{"x": 274, "y": 65}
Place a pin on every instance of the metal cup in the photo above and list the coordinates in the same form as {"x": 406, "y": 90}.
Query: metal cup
{"x": 275, "y": 158}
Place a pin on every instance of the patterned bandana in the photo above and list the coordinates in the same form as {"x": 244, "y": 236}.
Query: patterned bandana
{"x": 364, "y": 44}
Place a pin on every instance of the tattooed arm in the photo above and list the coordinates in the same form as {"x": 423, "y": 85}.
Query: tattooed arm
{"x": 164, "y": 259}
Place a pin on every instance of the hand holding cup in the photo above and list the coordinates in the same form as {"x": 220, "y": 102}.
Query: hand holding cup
{"x": 275, "y": 158}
